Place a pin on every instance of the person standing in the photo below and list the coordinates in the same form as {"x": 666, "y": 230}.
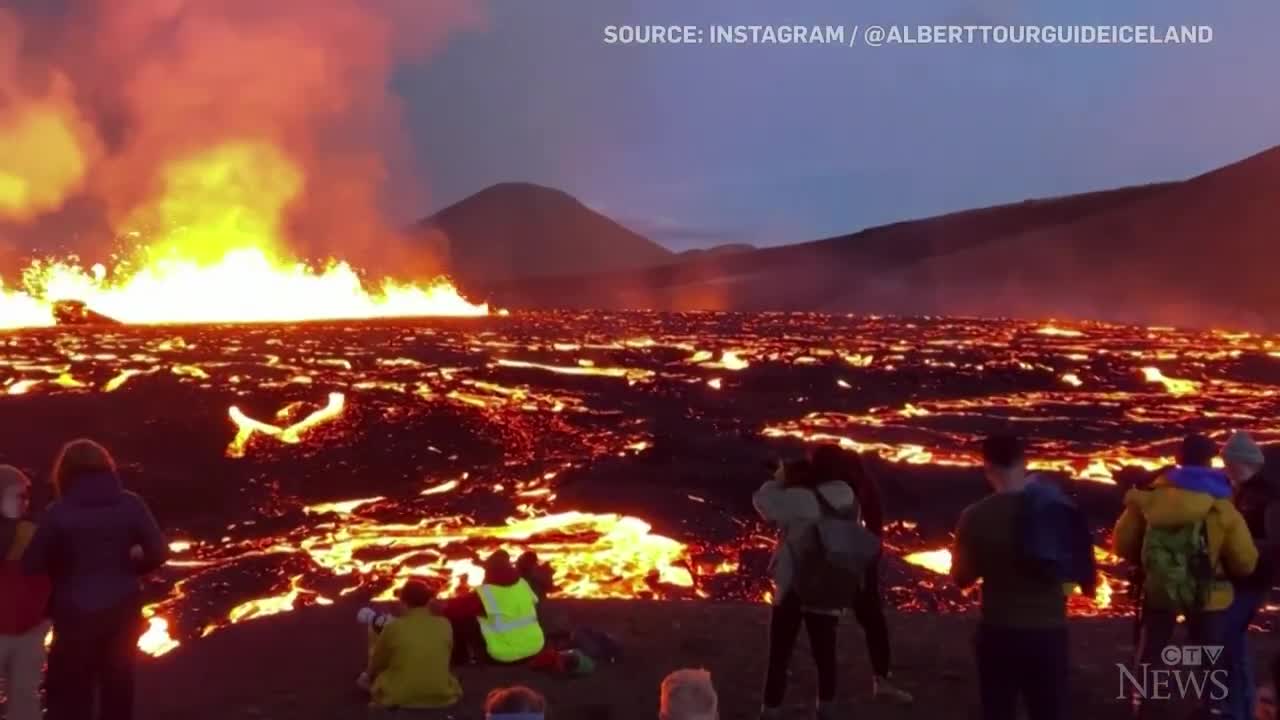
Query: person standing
{"x": 95, "y": 542}
{"x": 24, "y": 602}
{"x": 1258, "y": 500}
{"x": 1021, "y": 643}
{"x": 1190, "y": 541}
{"x": 795, "y": 500}
{"x": 832, "y": 461}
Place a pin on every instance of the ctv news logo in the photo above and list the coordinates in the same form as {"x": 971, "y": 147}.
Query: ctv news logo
{"x": 1190, "y": 671}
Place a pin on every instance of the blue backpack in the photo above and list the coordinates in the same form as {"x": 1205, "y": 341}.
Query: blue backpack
{"x": 1056, "y": 542}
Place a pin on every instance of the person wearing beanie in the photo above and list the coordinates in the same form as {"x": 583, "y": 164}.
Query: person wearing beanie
{"x": 1186, "y": 521}
{"x": 1258, "y": 500}
{"x": 24, "y": 601}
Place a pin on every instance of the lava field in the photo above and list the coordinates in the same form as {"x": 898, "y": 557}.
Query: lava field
{"x": 296, "y": 464}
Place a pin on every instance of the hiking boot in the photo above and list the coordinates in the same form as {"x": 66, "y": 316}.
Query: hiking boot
{"x": 884, "y": 691}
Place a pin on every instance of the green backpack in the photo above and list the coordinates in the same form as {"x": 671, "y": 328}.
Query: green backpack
{"x": 1177, "y": 568}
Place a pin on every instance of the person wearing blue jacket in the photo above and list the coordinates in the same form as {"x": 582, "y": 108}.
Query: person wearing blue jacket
{"x": 95, "y": 542}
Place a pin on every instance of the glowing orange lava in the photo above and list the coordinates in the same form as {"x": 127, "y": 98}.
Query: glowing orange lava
{"x": 214, "y": 254}
{"x": 247, "y": 427}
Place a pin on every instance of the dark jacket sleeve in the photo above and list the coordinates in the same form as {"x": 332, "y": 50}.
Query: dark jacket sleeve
{"x": 146, "y": 532}
{"x": 868, "y": 494}
{"x": 36, "y": 558}
{"x": 964, "y": 561}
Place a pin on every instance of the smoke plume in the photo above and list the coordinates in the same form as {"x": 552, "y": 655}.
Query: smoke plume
{"x": 197, "y": 124}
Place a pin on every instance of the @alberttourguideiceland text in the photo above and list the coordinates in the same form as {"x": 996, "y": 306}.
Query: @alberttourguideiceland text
{"x": 880, "y": 35}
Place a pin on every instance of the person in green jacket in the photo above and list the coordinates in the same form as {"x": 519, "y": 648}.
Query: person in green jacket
{"x": 409, "y": 663}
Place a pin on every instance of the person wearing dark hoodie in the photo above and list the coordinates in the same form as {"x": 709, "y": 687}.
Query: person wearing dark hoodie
{"x": 1258, "y": 500}
{"x": 1190, "y": 541}
{"x": 95, "y": 542}
{"x": 498, "y": 622}
{"x": 834, "y": 462}
{"x": 24, "y": 602}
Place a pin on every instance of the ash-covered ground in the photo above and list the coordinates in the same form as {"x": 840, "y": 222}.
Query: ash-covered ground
{"x": 302, "y": 464}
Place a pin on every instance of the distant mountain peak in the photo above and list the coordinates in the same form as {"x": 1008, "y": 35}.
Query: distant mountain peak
{"x": 524, "y": 191}
{"x": 521, "y": 229}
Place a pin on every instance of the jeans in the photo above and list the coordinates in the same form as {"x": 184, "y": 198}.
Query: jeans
{"x": 1240, "y": 698}
{"x": 92, "y": 659}
{"x": 869, "y": 611}
{"x": 784, "y": 627}
{"x": 1030, "y": 664}
{"x": 1204, "y": 628}
{"x": 21, "y": 666}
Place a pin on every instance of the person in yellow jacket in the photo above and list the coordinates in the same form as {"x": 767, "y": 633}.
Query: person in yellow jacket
{"x": 1189, "y": 540}
{"x": 409, "y": 664}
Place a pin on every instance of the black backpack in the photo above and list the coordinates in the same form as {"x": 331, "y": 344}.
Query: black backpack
{"x": 838, "y": 550}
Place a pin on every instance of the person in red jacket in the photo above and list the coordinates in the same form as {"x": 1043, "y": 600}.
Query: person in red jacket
{"x": 24, "y": 601}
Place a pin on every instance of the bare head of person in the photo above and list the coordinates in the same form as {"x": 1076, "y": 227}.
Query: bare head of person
{"x": 1197, "y": 451}
{"x": 15, "y": 492}
{"x": 77, "y": 459}
{"x": 514, "y": 703}
{"x": 1004, "y": 461}
{"x": 416, "y": 593}
{"x": 688, "y": 695}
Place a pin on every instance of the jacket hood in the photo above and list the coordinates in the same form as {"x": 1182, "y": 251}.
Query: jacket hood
{"x": 94, "y": 490}
{"x": 1200, "y": 479}
{"x": 1175, "y": 499}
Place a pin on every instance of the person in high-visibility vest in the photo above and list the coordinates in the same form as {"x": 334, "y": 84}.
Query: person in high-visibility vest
{"x": 498, "y": 622}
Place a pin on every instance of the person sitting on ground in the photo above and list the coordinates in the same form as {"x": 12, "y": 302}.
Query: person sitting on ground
{"x": 539, "y": 576}
{"x": 514, "y": 703}
{"x": 409, "y": 665}
{"x": 498, "y": 622}
{"x": 24, "y": 602}
{"x": 96, "y": 542}
{"x": 688, "y": 695}
{"x": 1021, "y": 642}
{"x": 1190, "y": 540}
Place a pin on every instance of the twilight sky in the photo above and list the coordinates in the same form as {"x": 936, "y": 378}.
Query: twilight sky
{"x": 701, "y": 145}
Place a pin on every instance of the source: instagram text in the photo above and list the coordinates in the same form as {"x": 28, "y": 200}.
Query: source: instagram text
{"x": 874, "y": 36}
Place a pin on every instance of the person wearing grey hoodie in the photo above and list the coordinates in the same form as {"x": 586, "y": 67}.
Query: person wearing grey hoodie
{"x": 95, "y": 542}
{"x": 789, "y": 501}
